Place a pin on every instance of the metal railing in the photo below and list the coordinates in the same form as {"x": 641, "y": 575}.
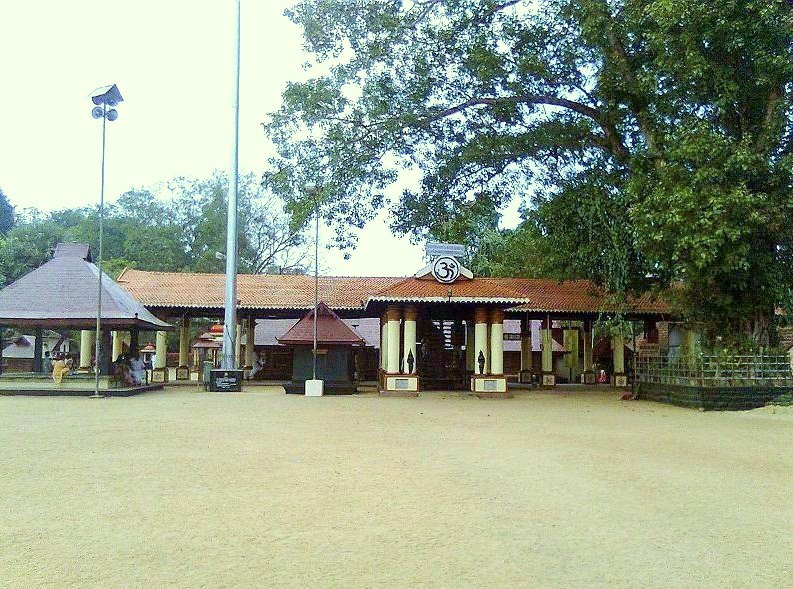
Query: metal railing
{"x": 716, "y": 370}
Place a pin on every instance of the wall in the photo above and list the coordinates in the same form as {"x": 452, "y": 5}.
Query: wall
{"x": 711, "y": 398}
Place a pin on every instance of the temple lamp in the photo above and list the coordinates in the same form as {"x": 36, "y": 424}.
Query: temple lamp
{"x": 105, "y": 98}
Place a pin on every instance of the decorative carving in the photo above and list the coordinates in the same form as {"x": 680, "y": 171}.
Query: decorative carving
{"x": 411, "y": 361}
{"x": 481, "y": 361}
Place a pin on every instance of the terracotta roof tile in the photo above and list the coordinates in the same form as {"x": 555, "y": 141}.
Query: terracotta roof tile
{"x": 473, "y": 290}
{"x": 254, "y": 291}
{"x": 264, "y": 291}
{"x": 330, "y": 330}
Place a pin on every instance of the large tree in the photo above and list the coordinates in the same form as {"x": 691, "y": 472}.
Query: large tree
{"x": 6, "y": 213}
{"x": 650, "y": 139}
{"x": 180, "y": 233}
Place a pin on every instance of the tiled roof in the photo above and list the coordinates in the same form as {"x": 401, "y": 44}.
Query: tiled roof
{"x": 484, "y": 290}
{"x": 254, "y": 291}
{"x": 264, "y": 291}
{"x": 269, "y": 330}
{"x": 64, "y": 292}
{"x": 574, "y": 296}
{"x": 330, "y": 329}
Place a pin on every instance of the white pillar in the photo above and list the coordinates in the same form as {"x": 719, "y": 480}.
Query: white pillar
{"x": 497, "y": 341}
{"x": 410, "y": 339}
{"x": 618, "y": 353}
{"x": 587, "y": 346}
{"x": 481, "y": 346}
{"x": 238, "y": 343}
{"x": 525, "y": 344}
{"x": 383, "y": 343}
{"x": 470, "y": 352}
{"x": 250, "y": 343}
{"x": 161, "y": 347}
{"x": 547, "y": 348}
{"x": 184, "y": 341}
{"x": 118, "y": 345}
{"x": 393, "y": 317}
{"x": 86, "y": 347}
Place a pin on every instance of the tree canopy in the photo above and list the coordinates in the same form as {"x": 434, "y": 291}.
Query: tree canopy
{"x": 6, "y": 213}
{"x": 650, "y": 140}
{"x": 180, "y": 233}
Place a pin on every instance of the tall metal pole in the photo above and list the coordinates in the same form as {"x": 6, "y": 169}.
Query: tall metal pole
{"x": 316, "y": 281}
{"x": 230, "y": 311}
{"x": 99, "y": 261}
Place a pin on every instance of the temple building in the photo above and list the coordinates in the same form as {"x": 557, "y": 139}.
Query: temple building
{"x": 440, "y": 329}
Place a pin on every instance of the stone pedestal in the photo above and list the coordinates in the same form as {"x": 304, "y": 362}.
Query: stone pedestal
{"x": 620, "y": 381}
{"x": 159, "y": 375}
{"x": 490, "y": 386}
{"x": 525, "y": 376}
{"x": 588, "y": 378}
{"x": 314, "y": 388}
{"x": 400, "y": 385}
{"x": 183, "y": 373}
{"x": 548, "y": 380}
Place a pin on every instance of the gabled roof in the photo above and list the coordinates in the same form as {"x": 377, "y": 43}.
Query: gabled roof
{"x": 330, "y": 330}
{"x": 64, "y": 291}
{"x": 254, "y": 291}
{"x": 427, "y": 290}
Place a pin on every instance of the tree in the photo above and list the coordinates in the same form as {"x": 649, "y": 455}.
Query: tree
{"x": 180, "y": 233}
{"x": 6, "y": 214}
{"x": 652, "y": 139}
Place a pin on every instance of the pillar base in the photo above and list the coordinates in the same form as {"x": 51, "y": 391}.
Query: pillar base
{"x": 548, "y": 380}
{"x": 490, "y": 386}
{"x": 619, "y": 380}
{"x": 183, "y": 373}
{"x": 588, "y": 377}
{"x": 525, "y": 377}
{"x": 399, "y": 385}
{"x": 159, "y": 375}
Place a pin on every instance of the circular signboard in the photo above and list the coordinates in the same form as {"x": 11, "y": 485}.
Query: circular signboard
{"x": 445, "y": 269}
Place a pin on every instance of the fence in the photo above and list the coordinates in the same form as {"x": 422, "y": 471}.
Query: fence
{"x": 716, "y": 370}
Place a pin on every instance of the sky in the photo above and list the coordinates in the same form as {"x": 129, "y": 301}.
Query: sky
{"x": 172, "y": 61}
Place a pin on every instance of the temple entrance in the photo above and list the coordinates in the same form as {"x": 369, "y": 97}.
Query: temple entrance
{"x": 441, "y": 354}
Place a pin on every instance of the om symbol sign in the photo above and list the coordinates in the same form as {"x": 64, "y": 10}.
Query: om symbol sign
{"x": 445, "y": 269}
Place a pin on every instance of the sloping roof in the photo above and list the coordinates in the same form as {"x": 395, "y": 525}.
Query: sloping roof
{"x": 476, "y": 290}
{"x": 266, "y": 291}
{"x": 63, "y": 292}
{"x": 268, "y": 330}
{"x": 254, "y": 291}
{"x": 575, "y": 296}
{"x": 330, "y": 329}
{"x": 73, "y": 250}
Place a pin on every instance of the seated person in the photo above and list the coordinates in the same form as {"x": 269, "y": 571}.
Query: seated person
{"x": 61, "y": 368}
{"x": 137, "y": 370}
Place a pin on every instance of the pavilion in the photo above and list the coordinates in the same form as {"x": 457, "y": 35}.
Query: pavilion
{"x": 435, "y": 333}
{"x": 62, "y": 294}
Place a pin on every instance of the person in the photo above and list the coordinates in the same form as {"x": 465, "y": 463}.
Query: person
{"x": 603, "y": 377}
{"x": 137, "y": 370}
{"x": 61, "y": 368}
{"x": 46, "y": 364}
{"x": 258, "y": 366}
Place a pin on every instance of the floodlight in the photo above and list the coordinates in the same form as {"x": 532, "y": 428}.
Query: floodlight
{"x": 108, "y": 95}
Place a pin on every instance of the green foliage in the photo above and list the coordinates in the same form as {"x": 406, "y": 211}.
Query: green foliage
{"x": 182, "y": 233}
{"x": 651, "y": 140}
{"x": 6, "y": 214}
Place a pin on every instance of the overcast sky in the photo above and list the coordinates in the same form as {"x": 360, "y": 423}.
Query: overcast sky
{"x": 172, "y": 61}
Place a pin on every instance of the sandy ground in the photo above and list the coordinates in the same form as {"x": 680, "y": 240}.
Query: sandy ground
{"x": 190, "y": 489}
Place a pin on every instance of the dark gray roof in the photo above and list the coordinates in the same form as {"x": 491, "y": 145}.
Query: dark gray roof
{"x": 63, "y": 292}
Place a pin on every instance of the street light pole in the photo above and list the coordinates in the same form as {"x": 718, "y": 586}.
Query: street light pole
{"x": 230, "y": 310}
{"x": 316, "y": 280}
{"x": 102, "y": 97}
{"x": 98, "y": 337}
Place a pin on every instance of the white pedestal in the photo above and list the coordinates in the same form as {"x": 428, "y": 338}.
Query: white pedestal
{"x": 314, "y": 388}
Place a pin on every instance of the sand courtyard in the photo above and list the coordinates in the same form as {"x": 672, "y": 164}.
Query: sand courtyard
{"x": 260, "y": 489}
